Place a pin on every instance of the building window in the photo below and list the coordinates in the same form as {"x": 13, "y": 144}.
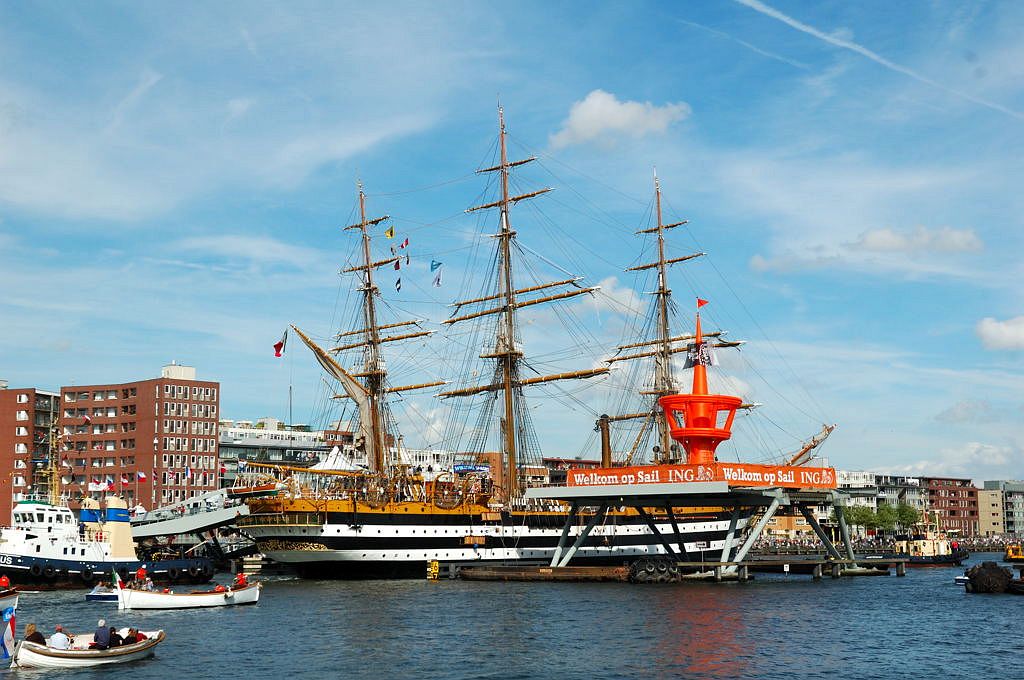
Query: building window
{"x": 22, "y": 398}
{"x": 21, "y": 415}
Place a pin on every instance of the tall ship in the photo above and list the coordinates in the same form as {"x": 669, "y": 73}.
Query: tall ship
{"x": 392, "y": 519}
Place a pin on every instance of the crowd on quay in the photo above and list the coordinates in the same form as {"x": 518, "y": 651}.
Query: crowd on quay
{"x": 971, "y": 543}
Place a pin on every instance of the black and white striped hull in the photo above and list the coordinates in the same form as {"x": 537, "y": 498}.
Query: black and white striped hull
{"x": 389, "y": 546}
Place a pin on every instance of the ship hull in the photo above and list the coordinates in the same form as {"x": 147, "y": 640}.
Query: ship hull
{"x": 392, "y": 545}
{"x": 50, "y": 573}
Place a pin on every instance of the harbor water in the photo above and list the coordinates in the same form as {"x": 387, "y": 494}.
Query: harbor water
{"x": 777, "y": 626}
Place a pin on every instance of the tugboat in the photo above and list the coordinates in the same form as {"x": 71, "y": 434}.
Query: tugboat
{"x": 927, "y": 547}
{"x": 47, "y": 547}
{"x": 1014, "y": 553}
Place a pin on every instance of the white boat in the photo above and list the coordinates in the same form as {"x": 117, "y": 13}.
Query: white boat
{"x": 128, "y": 598}
{"x": 8, "y": 599}
{"x": 33, "y": 655}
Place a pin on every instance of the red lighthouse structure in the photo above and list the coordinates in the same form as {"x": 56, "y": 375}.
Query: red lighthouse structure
{"x": 700, "y": 421}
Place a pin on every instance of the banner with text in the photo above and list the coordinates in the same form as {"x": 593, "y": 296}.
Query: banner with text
{"x": 735, "y": 474}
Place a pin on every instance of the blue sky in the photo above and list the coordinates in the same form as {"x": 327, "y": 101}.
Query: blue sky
{"x": 173, "y": 180}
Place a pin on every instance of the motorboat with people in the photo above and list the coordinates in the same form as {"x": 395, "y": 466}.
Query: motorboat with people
{"x": 241, "y": 592}
{"x": 48, "y": 547}
{"x": 1014, "y": 553}
{"x": 101, "y": 592}
{"x": 35, "y": 655}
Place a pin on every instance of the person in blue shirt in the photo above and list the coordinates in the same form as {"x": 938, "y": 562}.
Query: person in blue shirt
{"x": 101, "y": 638}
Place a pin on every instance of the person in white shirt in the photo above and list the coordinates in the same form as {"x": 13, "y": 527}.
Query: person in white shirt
{"x": 59, "y": 640}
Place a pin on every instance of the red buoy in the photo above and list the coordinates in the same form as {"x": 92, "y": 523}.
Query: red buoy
{"x": 700, "y": 421}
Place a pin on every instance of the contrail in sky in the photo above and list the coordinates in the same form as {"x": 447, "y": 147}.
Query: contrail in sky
{"x": 759, "y": 6}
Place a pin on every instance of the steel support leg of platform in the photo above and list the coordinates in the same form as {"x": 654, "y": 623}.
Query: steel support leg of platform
{"x": 755, "y": 533}
{"x": 844, "y": 531}
{"x": 569, "y": 519}
{"x": 733, "y": 523}
{"x": 654, "y": 530}
{"x": 813, "y": 521}
{"x": 679, "y": 536}
{"x": 598, "y": 516}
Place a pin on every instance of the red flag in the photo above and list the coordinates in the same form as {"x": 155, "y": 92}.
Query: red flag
{"x": 398, "y": 265}
{"x": 223, "y": 470}
{"x": 701, "y": 303}
{"x": 141, "y": 476}
{"x": 280, "y": 344}
{"x": 405, "y": 244}
{"x": 124, "y": 480}
{"x": 87, "y": 419}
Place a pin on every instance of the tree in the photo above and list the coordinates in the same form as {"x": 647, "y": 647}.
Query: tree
{"x": 887, "y": 517}
{"x": 907, "y": 515}
{"x": 862, "y": 516}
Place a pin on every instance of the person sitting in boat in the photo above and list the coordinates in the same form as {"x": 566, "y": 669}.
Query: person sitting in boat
{"x": 148, "y": 585}
{"x": 101, "y": 638}
{"x": 241, "y": 581}
{"x": 59, "y": 639}
{"x": 131, "y": 637}
{"x": 33, "y": 635}
{"x": 4, "y": 581}
{"x": 140, "y": 574}
{"x": 115, "y": 639}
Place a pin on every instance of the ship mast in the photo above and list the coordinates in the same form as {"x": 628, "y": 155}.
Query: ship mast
{"x": 662, "y": 348}
{"x": 369, "y": 396}
{"x": 508, "y": 357}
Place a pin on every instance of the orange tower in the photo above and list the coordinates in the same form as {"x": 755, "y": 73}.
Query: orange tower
{"x": 700, "y": 421}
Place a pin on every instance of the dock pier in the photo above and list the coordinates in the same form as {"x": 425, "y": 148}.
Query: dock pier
{"x": 735, "y": 561}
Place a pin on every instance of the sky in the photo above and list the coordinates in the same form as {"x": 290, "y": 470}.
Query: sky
{"x": 174, "y": 180}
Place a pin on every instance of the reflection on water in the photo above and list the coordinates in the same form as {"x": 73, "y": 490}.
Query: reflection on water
{"x": 776, "y": 627}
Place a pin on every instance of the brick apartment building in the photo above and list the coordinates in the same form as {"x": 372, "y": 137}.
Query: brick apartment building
{"x": 26, "y": 415}
{"x": 152, "y": 441}
{"x": 955, "y": 502}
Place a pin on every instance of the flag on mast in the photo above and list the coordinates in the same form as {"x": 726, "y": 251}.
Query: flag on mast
{"x": 434, "y": 264}
{"x": 390, "y": 231}
{"x": 405, "y": 243}
{"x": 398, "y": 285}
{"x": 437, "y": 278}
{"x": 280, "y": 344}
{"x": 701, "y": 303}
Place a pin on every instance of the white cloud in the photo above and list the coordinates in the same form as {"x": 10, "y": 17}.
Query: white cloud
{"x": 996, "y": 334}
{"x": 255, "y": 249}
{"x": 600, "y": 115}
{"x": 842, "y": 38}
{"x": 614, "y": 297}
{"x": 920, "y": 239}
{"x": 972, "y": 459}
{"x": 968, "y": 412}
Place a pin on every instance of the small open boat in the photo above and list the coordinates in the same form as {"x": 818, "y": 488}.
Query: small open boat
{"x": 151, "y": 599}
{"x": 101, "y": 594}
{"x": 8, "y": 598}
{"x": 33, "y": 655}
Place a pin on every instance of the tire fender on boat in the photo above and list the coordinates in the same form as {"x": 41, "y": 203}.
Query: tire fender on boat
{"x": 49, "y": 571}
{"x": 193, "y": 571}
{"x": 36, "y": 570}
{"x": 174, "y": 573}
{"x": 87, "y": 574}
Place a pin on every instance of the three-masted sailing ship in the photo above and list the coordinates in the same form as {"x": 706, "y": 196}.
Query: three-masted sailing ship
{"x": 391, "y": 519}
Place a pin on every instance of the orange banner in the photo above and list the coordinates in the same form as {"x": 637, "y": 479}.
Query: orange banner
{"x": 735, "y": 474}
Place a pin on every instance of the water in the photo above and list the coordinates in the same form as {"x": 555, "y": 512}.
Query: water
{"x": 776, "y": 627}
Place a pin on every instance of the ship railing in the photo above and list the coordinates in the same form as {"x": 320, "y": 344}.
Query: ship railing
{"x": 283, "y": 519}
